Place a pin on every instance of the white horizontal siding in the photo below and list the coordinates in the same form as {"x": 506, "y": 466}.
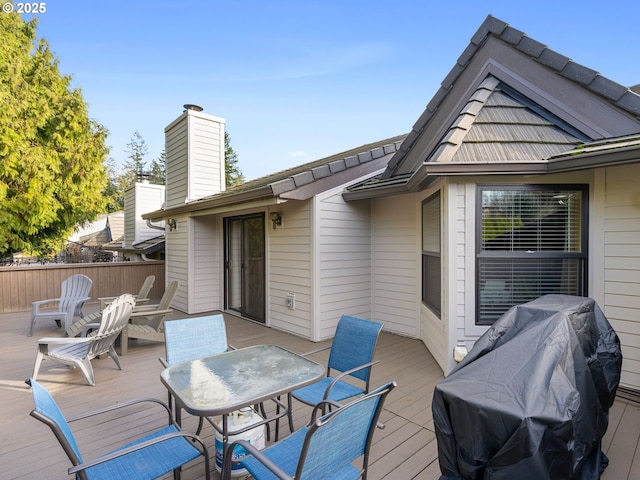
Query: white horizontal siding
{"x": 622, "y": 265}
{"x": 206, "y": 292}
{"x": 206, "y": 157}
{"x": 177, "y": 154}
{"x": 177, "y": 261}
{"x": 396, "y": 264}
{"x": 343, "y": 261}
{"x": 148, "y": 198}
{"x": 290, "y": 269}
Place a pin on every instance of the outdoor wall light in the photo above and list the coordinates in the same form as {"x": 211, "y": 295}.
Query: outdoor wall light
{"x": 276, "y": 219}
{"x": 459, "y": 352}
{"x": 173, "y": 225}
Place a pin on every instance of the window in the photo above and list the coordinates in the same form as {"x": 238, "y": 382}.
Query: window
{"x": 532, "y": 241}
{"x": 431, "y": 271}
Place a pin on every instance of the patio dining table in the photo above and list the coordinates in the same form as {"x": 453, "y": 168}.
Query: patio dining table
{"x": 224, "y": 383}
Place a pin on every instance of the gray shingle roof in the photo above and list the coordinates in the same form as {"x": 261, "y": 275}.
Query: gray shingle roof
{"x": 618, "y": 95}
{"x": 280, "y": 183}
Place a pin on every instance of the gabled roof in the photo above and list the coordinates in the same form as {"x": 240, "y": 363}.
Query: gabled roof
{"x": 298, "y": 183}
{"x": 508, "y": 106}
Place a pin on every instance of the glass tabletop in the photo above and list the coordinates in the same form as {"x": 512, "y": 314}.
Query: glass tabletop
{"x": 228, "y": 381}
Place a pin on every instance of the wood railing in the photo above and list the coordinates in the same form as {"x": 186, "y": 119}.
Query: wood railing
{"x": 19, "y": 286}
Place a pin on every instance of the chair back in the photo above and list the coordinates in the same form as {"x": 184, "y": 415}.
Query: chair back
{"x": 353, "y": 345}
{"x": 47, "y": 411}
{"x": 146, "y": 287}
{"x": 74, "y": 287}
{"x": 114, "y": 318}
{"x": 196, "y": 337}
{"x": 339, "y": 438}
{"x": 164, "y": 304}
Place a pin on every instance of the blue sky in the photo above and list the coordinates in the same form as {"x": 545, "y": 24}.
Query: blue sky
{"x": 300, "y": 80}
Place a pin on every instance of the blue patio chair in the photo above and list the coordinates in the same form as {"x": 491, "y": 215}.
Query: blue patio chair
{"x": 326, "y": 448}
{"x": 153, "y": 455}
{"x": 192, "y": 338}
{"x": 351, "y": 357}
{"x": 196, "y": 337}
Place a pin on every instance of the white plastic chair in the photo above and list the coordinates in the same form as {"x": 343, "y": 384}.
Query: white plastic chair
{"x": 78, "y": 352}
{"x": 75, "y": 291}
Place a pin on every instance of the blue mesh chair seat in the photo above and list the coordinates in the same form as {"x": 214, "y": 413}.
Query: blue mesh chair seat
{"x": 328, "y": 447}
{"x": 153, "y": 455}
{"x": 351, "y": 357}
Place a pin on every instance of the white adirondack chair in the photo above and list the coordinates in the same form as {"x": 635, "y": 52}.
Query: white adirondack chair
{"x": 141, "y": 297}
{"x": 75, "y": 291}
{"x": 78, "y": 352}
{"x": 147, "y": 321}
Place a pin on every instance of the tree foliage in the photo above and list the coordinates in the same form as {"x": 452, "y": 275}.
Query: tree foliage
{"x": 51, "y": 153}
{"x": 233, "y": 174}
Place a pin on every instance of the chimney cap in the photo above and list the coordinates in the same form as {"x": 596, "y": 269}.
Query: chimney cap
{"x": 191, "y": 106}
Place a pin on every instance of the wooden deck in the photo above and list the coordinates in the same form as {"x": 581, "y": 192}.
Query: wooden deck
{"x": 405, "y": 449}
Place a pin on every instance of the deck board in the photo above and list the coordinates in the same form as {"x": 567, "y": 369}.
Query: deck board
{"x": 405, "y": 449}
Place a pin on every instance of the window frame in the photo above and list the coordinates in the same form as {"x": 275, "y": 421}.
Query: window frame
{"x": 432, "y": 301}
{"x": 582, "y": 256}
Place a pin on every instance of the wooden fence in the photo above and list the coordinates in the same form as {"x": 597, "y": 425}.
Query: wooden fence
{"x": 19, "y": 286}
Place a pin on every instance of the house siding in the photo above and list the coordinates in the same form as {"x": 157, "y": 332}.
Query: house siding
{"x": 622, "y": 265}
{"x": 177, "y": 261}
{"x": 177, "y": 154}
{"x": 206, "y": 291}
{"x": 343, "y": 261}
{"x": 194, "y": 146}
{"x": 206, "y": 145}
{"x": 396, "y": 258}
{"x": 290, "y": 269}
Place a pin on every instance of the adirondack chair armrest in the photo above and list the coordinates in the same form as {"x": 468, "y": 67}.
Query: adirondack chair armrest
{"x": 35, "y": 306}
{"x": 151, "y": 313}
{"x": 257, "y": 454}
{"x": 88, "y": 327}
{"x": 62, "y": 340}
{"x": 144, "y": 308}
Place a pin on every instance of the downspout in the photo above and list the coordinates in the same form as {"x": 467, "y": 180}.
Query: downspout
{"x": 150, "y": 225}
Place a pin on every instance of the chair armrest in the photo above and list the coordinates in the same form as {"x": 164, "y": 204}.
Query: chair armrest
{"x": 318, "y": 408}
{"x": 315, "y": 351}
{"x": 257, "y": 454}
{"x": 118, "y": 406}
{"x": 62, "y": 340}
{"x": 341, "y": 375}
{"x": 42, "y": 302}
{"x": 134, "y": 448}
{"x": 87, "y": 327}
{"x": 35, "y": 306}
{"x": 150, "y": 313}
{"x": 164, "y": 363}
{"x": 144, "y": 308}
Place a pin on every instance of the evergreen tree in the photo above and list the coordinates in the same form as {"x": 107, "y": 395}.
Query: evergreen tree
{"x": 136, "y": 165}
{"x": 157, "y": 172}
{"x": 233, "y": 174}
{"x": 51, "y": 153}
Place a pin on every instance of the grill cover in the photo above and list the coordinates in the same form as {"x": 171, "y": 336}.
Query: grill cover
{"x": 531, "y": 399}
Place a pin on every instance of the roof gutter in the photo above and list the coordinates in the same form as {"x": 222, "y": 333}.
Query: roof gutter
{"x": 209, "y": 203}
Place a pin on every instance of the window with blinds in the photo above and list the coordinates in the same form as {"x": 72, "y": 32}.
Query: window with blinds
{"x": 531, "y": 242}
{"x": 431, "y": 263}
